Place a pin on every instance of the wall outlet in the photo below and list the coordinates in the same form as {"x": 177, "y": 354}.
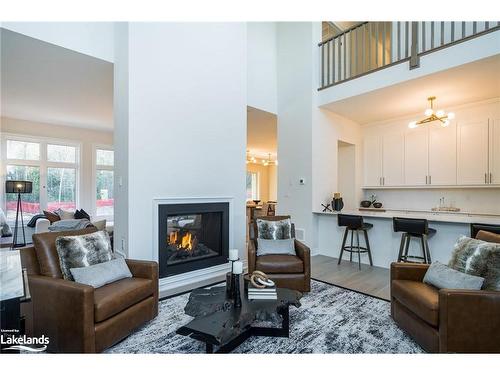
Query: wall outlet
{"x": 302, "y": 181}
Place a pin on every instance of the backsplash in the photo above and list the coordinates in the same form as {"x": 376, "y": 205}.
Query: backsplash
{"x": 475, "y": 200}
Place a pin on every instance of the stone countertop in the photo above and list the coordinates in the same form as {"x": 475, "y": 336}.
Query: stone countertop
{"x": 436, "y": 216}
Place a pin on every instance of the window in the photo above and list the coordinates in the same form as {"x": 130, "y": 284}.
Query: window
{"x": 252, "y": 186}
{"x": 53, "y": 168}
{"x": 23, "y": 150}
{"x": 104, "y": 183}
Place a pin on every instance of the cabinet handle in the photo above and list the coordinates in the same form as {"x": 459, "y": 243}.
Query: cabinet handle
{"x": 430, "y": 180}
{"x": 383, "y": 181}
{"x": 486, "y": 178}
{"x": 491, "y": 178}
{"x": 426, "y": 179}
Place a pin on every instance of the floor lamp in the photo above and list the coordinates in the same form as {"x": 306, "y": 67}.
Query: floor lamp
{"x": 18, "y": 187}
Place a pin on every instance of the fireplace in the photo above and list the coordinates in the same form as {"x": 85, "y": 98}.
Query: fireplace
{"x": 192, "y": 236}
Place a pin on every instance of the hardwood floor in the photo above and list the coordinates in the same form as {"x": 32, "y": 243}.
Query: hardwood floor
{"x": 370, "y": 280}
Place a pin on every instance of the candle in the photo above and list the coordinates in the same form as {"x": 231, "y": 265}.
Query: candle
{"x": 233, "y": 254}
{"x": 238, "y": 267}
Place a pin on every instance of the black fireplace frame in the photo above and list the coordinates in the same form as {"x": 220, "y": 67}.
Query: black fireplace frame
{"x": 166, "y": 210}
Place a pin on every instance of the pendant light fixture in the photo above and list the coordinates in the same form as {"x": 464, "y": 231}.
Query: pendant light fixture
{"x": 433, "y": 115}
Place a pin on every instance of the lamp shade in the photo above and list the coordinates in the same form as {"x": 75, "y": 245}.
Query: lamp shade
{"x": 23, "y": 187}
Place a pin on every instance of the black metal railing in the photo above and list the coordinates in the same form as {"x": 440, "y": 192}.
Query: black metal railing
{"x": 371, "y": 46}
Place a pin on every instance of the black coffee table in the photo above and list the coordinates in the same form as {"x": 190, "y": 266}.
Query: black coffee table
{"x": 218, "y": 324}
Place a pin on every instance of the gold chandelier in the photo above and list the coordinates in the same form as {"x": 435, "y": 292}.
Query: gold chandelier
{"x": 265, "y": 162}
{"x": 432, "y": 115}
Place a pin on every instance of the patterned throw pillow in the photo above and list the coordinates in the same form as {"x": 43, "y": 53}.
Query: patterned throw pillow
{"x": 478, "y": 258}
{"x": 82, "y": 251}
{"x": 274, "y": 229}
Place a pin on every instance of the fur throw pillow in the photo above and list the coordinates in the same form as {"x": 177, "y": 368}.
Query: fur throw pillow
{"x": 82, "y": 251}
{"x": 478, "y": 258}
{"x": 274, "y": 229}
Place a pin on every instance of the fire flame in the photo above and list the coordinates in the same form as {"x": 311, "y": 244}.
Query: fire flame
{"x": 186, "y": 241}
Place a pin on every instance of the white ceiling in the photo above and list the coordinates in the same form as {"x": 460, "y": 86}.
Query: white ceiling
{"x": 468, "y": 83}
{"x": 47, "y": 83}
{"x": 262, "y": 133}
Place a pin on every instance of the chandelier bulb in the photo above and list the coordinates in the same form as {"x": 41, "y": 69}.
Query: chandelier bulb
{"x": 440, "y": 113}
{"x": 412, "y": 125}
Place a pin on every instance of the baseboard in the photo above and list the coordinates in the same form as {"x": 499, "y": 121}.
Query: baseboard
{"x": 195, "y": 279}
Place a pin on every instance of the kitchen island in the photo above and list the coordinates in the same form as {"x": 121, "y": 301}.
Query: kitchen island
{"x": 385, "y": 242}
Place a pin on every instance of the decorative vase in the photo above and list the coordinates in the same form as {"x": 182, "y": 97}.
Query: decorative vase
{"x": 337, "y": 204}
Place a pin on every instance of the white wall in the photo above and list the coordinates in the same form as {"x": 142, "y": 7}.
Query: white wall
{"x": 186, "y": 122}
{"x": 295, "y": 98}
{"x": 121, "y": 136}
{"x": 87, "y": 137}
{"x": 307, "y": 135}
{"x": 261, "y": 66}
{"x": 91, "y": 38}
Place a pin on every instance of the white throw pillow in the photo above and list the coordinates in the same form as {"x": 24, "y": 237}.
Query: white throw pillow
{"x": 65, "y": 215}
{"x": 281, "y": 247}
{"x": 101, "y": 274}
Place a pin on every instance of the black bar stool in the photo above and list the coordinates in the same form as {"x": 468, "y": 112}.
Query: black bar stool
{"x": 418, "y": 228}
{"x": 354, "y": 223}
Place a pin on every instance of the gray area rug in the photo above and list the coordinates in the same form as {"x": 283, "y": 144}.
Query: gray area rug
{"x": 330, "y": 320}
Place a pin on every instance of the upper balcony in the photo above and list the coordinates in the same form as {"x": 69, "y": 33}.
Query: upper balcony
{"x": 372, "y": 55}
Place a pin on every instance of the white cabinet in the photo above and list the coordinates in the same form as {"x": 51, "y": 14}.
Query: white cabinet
{"x": 392, "y": 159}
{"x": 494, "y": 177}
{"x": 472, "y": 147}
{"x": 443, "y": 155}
{"x": 416, "y": 156}
{"x": 372, "y": 152}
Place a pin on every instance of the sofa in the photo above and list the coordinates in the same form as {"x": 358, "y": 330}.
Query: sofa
{"x": 287, "y": 271}
{"x": 78, "y": 318}
{"x": 445, "y": 320}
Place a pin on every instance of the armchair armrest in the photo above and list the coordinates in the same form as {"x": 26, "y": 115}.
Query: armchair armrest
{"x": 252, "y": 254}
{"x": 143, "y": 268}
{"x": 147, "y": 270}
{"x": 408, "y": 271}
{"x": 468, "y": 321}
{"x": 63, "y": 311}
{"x": 304, "y": 253}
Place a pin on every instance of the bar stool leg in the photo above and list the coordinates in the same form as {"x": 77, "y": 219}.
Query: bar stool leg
{"x": 407, "y": 246}
{"x": 352, "y": 244}
{"x": 368, "y": 247}
{"x": 423, "y": 248}
{"x": 343, "y": 244}
{"x": 359, "y": 250}
{"x": 401, "y": 247}
{"x": 427, "y": 249}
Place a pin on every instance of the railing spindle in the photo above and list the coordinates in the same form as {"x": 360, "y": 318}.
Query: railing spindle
{"x": 376, "y": 44}
{"x": 463, "y": 29}
{"x": 362, "y": 49}
{"x": 432, "y": 34}
{"x": 486, "y": 25}
{"x": 322, "y": 65}
{"x": 369, "y": 46}
{"x": 474, "y": 27}
{"x": 442, "y": 33}
{"x": 452, "y": 31}
{"x": 383, "y": 43}
{"x": 339, "y": 52}
{"x": 423, "y": 36}
{"x": 345, "y": 55}
{"x": 399, "y": 40}
{"x": 407, "y": 38}
{"x": 328, "y": 62}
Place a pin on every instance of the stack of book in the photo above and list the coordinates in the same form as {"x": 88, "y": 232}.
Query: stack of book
{"x": 262, "y": 293}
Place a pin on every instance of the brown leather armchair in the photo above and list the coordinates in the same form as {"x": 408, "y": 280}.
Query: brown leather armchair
{"x": 445, "y": 320}
{"x": 288, "y": 271}
{"x": 78, "y": 318}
